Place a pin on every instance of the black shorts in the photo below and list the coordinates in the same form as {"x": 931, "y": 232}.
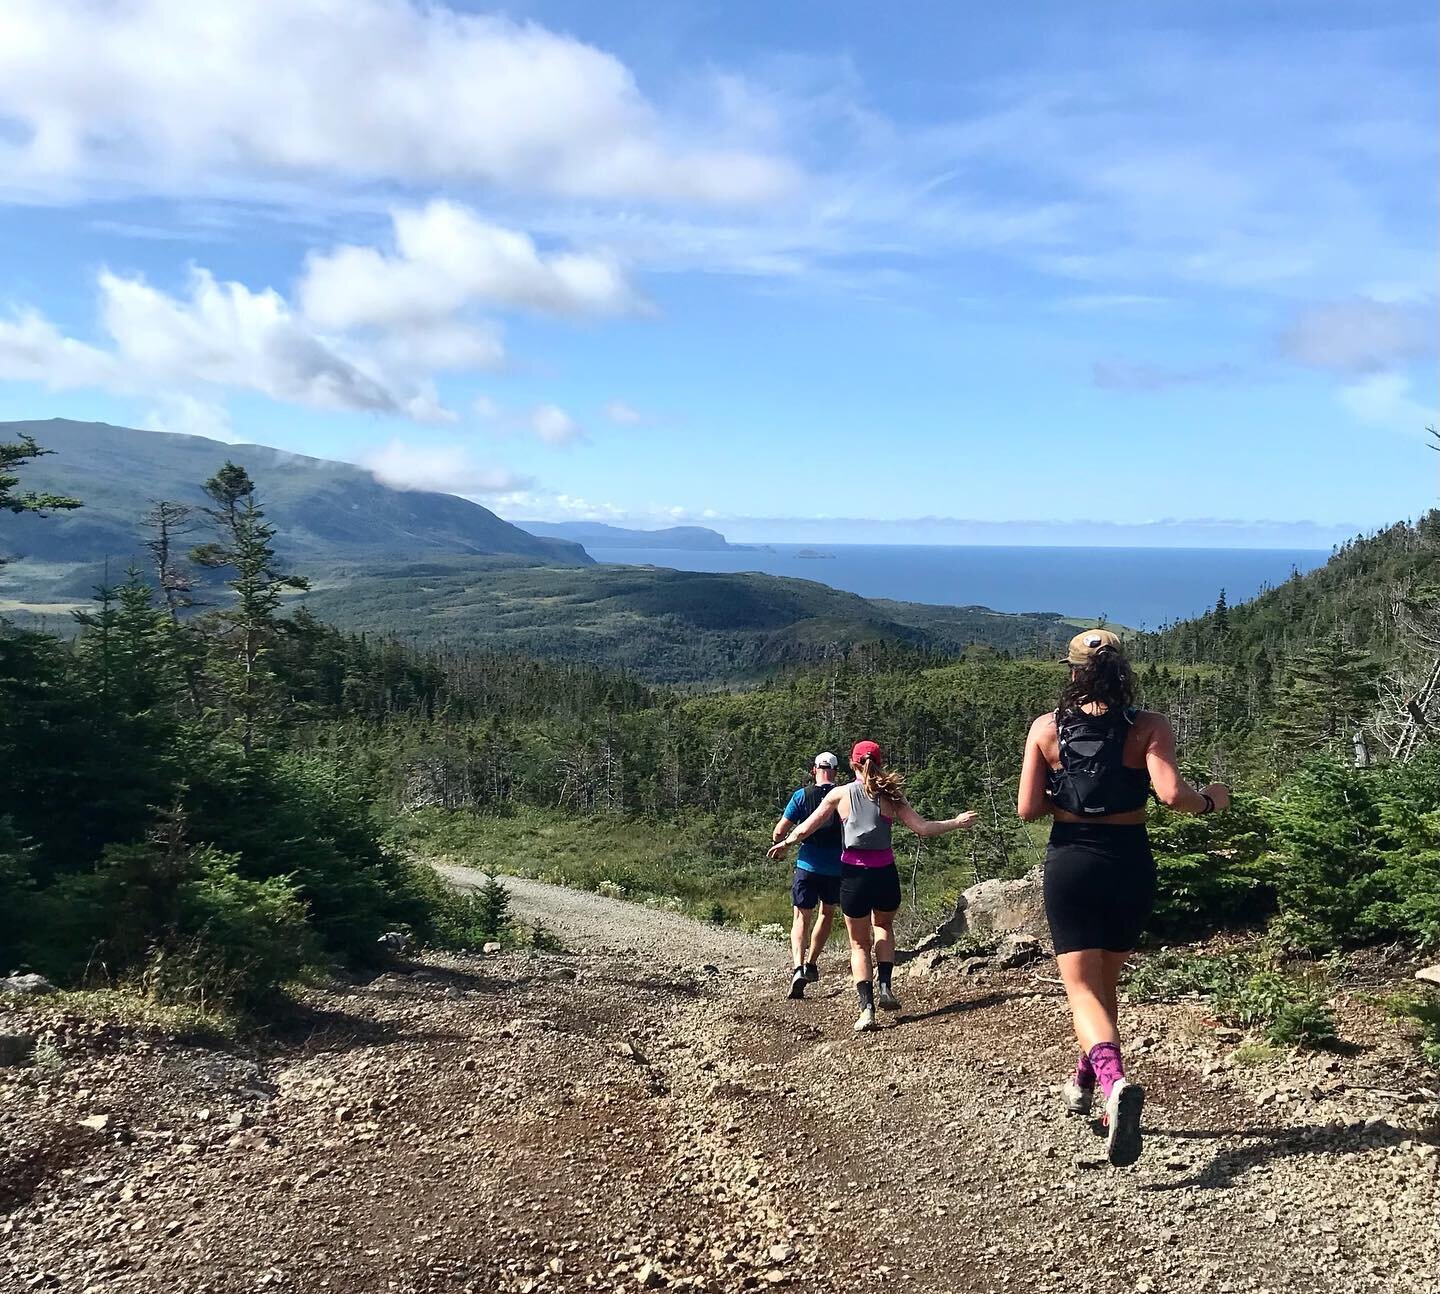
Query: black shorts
{"x": 1099, "y": 886}
{"x": 809, "y": 888}
{"x": 864, "y": 890}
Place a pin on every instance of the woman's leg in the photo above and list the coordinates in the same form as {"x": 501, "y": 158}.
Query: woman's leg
{"x": 1114, "y": 967}
{"x": 885, "y": 958}
{"x": 861, "y": 938}
{"x": 1090, "y": 991}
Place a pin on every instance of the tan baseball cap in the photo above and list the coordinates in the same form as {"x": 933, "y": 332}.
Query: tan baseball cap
{"x": 1084, "y": 646}
{"x": 826, "y": 760}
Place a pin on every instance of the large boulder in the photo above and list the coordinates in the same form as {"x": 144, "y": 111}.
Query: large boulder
{"x": 997, "y": 907}
{"x": 1429, "y": 975}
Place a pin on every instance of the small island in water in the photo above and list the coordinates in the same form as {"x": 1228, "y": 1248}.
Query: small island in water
{"x": 813, "y": 554}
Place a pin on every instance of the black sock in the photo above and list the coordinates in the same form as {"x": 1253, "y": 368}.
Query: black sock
{"x": 866, "y": 991}
{"x": 810, "y": 968}
{"x": 799, "y": 970}
{"x": 883, "y": 971}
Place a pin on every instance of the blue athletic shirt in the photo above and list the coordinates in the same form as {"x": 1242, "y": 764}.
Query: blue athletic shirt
{"x": 816, "y": 855}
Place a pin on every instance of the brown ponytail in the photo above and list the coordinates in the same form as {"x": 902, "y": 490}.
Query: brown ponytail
{"x": 880, "y": 783}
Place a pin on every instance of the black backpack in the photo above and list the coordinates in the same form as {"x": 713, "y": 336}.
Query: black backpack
{"x": 1092, "y": 779}
{"x": 831, "y": 833}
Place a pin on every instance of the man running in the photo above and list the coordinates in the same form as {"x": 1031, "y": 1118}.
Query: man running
{"x": 817, "y": 875}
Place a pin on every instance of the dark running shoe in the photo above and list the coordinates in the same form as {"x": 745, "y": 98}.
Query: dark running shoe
{"x": 797, "y": 985}
{"x": 812, "y": 973}
{"x": 1122, "y": 1123}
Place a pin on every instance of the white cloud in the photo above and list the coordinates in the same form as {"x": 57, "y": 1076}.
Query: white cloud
{"x": 623, "y": 415}
{"x": 1384, "y": 400}
{"x": 448, "y": 469}
{"x": 486, "y": 408}
{"x": 447, "y": 258}
{"x": 187, "y": 415}
{"x": 552, "y": 425}
{"x": 1363, "y": 335}
{"x": 228, "y": 336}
{"x": 167, "y": 93}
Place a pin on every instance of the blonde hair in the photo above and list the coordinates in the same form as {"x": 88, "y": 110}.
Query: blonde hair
{"x": 878, "y": 782}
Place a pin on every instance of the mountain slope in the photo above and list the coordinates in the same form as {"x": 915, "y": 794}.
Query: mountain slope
{"x": 664, "y": 625}
{"x": 324, "y": 511}
{"x": 597, "y": 534}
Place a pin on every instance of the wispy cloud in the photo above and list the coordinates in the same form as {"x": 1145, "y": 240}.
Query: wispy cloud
{"x": 1113, "y": 376}
{"x": 173, "y": 91}
{"x": 1361, "y": 335}
{"x": 446, "y": 469}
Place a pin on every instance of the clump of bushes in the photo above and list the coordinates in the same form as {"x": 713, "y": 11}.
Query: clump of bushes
{"x": 1287, "y": 1010}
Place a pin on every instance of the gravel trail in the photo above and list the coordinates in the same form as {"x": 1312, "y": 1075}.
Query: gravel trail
{"x": 618, "y": 1118}
{"x": 582, "y": 919}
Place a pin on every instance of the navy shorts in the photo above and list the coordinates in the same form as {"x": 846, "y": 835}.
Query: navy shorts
{"x": 809, "y": 888}
{"x": 864, "y": 890}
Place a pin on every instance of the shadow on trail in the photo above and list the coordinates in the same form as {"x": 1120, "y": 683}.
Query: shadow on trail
{"x": 1280, "y": 1142}
{"x": 957, "y": 1007}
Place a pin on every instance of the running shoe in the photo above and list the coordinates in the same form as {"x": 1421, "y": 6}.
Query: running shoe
{"x": 885, "y": 998}
{"x": 797, "y": 985}
{"x": 1078, "y": 1097}
{"x": 1122, "y": 1123}
{"x": 812, "y": 973}
{"x": 867, "y": 1021}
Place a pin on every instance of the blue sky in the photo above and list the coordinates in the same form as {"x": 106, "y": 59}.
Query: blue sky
{"x": 809, "y": 270}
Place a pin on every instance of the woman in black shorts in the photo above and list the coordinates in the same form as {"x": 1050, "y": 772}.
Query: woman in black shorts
{"x": 869, "y": 880}
{"x": 1090, "y": 764}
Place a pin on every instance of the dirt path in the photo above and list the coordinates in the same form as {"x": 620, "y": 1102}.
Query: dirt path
{"x": 666, "y": 1120}
{"x": 586, "y": 921}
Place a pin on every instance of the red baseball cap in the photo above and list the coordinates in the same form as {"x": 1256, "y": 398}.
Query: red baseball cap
{"x": 866, "y": 750}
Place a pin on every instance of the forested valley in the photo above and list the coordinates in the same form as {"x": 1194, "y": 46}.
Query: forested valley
{"x": 207, "y": 793}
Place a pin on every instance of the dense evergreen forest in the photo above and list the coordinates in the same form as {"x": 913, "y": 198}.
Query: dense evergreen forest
{"x": 206, "y": 801}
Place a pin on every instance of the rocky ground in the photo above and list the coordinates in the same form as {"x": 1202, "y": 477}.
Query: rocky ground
{"x": 614, "y": 1120}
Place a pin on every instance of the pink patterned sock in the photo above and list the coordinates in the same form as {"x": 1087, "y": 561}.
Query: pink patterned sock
{"x": 1109, "y": 1068}
{"x": 1084, "y": 1071}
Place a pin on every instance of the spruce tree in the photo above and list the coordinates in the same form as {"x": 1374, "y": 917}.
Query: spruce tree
{"x": 249, "y": 627}
{"x": 13, "y": 455}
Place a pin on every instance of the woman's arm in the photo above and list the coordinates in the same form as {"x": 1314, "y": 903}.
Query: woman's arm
{"x": 924, "y": 827}
{"x": 1173, "y": 790}
{"x": 1032, "y": 804}
{"x": 809, "y": 827}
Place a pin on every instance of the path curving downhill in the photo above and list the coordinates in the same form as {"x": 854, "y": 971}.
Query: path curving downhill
{"x": 591, "y": 922}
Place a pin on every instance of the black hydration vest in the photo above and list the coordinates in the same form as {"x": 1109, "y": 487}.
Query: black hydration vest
{"x": 1092, "y": 780}
{"x": 830, "y": 835}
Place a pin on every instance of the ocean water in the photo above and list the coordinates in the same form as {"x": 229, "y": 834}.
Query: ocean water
{"x": 1140, "y": 587}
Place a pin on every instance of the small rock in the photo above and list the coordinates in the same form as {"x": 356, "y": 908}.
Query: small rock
{"x": 650, "y": 1277}
{"x": 781, "y": 1253}
{"x": 33, "y": 985}
{"x": 491, "y": 946}
{"x": 1429, "y": 974}
{"x": 97, "y": 1122}
{"x": 395, "y": 942}
{"x": 1017, "y": 950}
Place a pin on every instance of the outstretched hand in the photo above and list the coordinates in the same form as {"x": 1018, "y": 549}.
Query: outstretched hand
{"x": 967, "y": 819}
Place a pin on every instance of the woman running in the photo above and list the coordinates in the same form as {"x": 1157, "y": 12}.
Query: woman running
{"x": 869, "y": 880}
{"x": 1090, "y": 765}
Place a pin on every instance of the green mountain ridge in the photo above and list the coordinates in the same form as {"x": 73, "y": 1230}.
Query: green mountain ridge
{"x": 663, "y": 625}
{"x": 599, "y": 534}
{"x": 324, "y": 511}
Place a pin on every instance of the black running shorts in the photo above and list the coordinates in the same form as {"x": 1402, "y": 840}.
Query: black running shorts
{"x": 1099, "y": 886}
{"x": 864, "y": 890}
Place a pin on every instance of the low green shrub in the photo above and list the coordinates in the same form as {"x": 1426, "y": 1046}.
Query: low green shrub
{"x": 1287, "y": 1010}
{"x": 1422, "y": 1010}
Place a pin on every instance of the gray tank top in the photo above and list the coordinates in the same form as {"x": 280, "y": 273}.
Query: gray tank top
{"x": 866, "y": 827}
